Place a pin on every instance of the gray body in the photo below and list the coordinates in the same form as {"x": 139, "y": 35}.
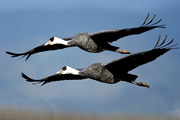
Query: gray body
{"x": 99, "y": 72}
{"x": 85, "y": 42}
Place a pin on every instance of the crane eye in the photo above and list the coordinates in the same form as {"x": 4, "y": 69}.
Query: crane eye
{"x": 64, "y": 68}
{"x": 51, "y": 39}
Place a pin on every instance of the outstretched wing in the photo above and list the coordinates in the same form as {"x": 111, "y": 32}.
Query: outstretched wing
{"x": 55, "y": 77}
{"x": 132, "y": 61}
{"x": 113, "y": 35}
{"x": 38, "y": 49}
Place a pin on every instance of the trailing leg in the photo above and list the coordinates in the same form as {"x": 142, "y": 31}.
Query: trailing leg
{"x": 140, "y": 84}
{"x": 123, "y": 51}
{"x": 116, "y": 49}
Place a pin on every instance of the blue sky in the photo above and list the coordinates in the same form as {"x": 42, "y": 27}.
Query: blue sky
{"x": 27, "y": 24}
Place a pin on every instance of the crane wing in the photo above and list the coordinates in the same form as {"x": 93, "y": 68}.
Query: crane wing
{"x": 52, "y": 78}
{"x": 38, "y": 49}
{"x": 132, "y": 61}
{"x": 113, "y": 35}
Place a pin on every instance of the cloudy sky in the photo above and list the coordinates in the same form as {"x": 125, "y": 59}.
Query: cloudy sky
{"x": 27, "y": 24}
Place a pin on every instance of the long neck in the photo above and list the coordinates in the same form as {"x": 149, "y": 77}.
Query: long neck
{"x": 61, "y": 41}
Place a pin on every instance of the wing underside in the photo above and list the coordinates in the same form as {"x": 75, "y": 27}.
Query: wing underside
{"x": 113, "y": 35}
{"x": 56, "y": 77}
{"x": 132, "y": 61}
{"x": 38, "y": 49}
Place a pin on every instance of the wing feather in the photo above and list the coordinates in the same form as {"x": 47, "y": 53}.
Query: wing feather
{"x": 132, "y": 61}
{"x": 113, "y": 35}
{"x": 38, "y": 49}
{"x": 52, "y": 78}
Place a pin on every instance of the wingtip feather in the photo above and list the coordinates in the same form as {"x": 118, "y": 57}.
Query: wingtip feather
{"x": 150, "y": 22}
{"x": 146, "y": 19}
{"x": 162, "y": 46}
{"x": 18, "y": 54}
{"x": 26, "y": 77}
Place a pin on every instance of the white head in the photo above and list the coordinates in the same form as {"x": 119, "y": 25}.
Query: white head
{"x": 56, "y": 40}
{"x": 68, "y": 70}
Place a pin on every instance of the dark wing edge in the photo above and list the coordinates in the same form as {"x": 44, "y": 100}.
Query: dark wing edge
{"x": 145, "y": 23}
{"x": 52, "y": 78}
{"x": 28, "y": 79}
{"x": 132, "y": 61}
{"x": 18, "y": 54}
{"x": 38, "y": 49}
{"x": 166, "y": 46}
{"x": 113, "y": 35}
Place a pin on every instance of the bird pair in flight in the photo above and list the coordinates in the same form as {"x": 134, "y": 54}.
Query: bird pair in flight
{"x": 112, "y": 72}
